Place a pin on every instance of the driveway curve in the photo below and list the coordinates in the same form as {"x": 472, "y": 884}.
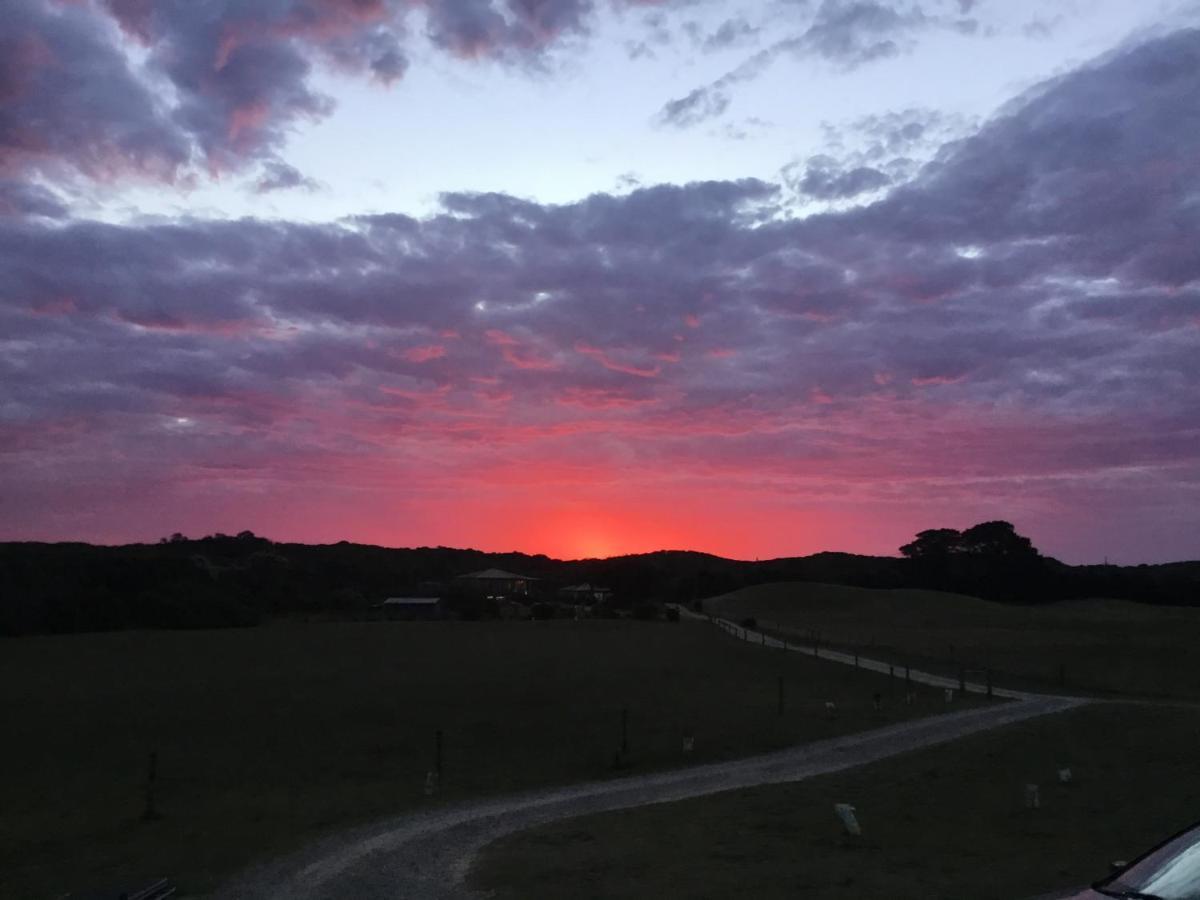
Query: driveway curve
{"x": 426, "y": 855}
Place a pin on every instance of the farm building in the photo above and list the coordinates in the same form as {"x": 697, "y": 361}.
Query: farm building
{"x": 584, "y": 593}
{"x": 411, "y": 608}
{"x": 495, "y": 583}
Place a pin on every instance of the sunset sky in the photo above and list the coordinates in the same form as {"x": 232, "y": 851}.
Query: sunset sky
{"x": 587, "y": 278}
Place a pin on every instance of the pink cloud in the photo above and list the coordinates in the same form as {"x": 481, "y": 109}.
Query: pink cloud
{"x": 424, "y": 354}
{"x": 935, "y": 380}
{"x": 516, "y": 354}
{"x": 605, "y": 359}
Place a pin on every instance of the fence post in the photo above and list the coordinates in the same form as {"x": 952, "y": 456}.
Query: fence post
{"x": 989, "y": 684}
{"x": 781, "y": 695}
{"x": 151, "y": 812}
{"x": 962, "y": 679}
{"x": 437, "y": 756}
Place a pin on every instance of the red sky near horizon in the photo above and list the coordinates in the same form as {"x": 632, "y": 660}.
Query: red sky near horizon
{"x": 665, "y": 308}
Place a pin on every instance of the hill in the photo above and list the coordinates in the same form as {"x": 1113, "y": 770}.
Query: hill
{"x": 1106, "y": 646}
{"x": 240, "y": 579}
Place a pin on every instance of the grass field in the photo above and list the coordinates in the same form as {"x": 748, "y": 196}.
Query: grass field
{"x": 269, "y": 736}
{"x": 947, "y": 823}
{"x": 1105, "y": 646}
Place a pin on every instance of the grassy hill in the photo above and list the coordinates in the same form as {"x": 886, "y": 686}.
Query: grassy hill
{"x": 1109, "y": 646}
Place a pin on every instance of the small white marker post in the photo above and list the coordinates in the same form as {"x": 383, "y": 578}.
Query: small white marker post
{"x": 949, "y": 695}
{"x": 1064, "y": 776}
{"x": 689, "y": 743}
{"x": 430, "y": 783}
{"x": 1033, "y": 799}
{"x": 845, "y": 812}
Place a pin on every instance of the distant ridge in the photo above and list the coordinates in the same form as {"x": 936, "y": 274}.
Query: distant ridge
{"x": 239, "y": 579}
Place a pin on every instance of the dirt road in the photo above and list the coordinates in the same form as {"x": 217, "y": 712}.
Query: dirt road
{"x": 426, "y": 855}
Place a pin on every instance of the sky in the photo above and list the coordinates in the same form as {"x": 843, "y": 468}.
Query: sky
{"x": 589, "y": 277}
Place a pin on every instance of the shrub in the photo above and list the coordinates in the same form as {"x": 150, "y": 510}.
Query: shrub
{"x": 542, "y": 611}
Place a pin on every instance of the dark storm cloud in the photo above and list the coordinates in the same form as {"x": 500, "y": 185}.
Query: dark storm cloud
{"x": 1037, "y": 282}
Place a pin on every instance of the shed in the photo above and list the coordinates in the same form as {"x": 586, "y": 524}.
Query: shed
{"x": 585, "y": 593}
{"x": 495, "y": 583}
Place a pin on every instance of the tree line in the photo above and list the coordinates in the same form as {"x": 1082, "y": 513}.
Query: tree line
{"x": 236, "y": 580}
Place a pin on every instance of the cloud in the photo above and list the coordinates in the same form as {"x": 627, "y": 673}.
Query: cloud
{"x": 857, "y": 32}
{"x": 279, "y": 176}
{"x": 71, "y": 101}
{"x": 730, "y": 33}
{"x": 845, "y": 33}
{"x": 823, "y": 179}
{"x": 1019, "y": 320}
{"x": 175, "y": 90}
{"x": 701, "y": 104}
{"x": 479, "y": 28}
{"x": 20, "y": 198}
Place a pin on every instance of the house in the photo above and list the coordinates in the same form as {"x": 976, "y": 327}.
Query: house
{"x": 584, "y": 593}
{"x": 411, "y": 608}
{"x": 495, "y": 583}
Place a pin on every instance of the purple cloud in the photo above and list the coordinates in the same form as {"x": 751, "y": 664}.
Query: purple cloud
{"x": 163, "y": 90}
{"x": 823, "y": 179}
{"x": 1025, "y": 311}
{"x": 70, "y": 101}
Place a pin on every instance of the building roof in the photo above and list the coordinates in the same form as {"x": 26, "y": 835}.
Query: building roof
{"x": 411, "y": 601}
{"x": 496, "y": 575}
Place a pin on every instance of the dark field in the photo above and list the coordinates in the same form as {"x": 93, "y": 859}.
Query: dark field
{"x": 269, "y": 736}
{"x": 946, "y": 823}
{"x": 1109, "y": 647}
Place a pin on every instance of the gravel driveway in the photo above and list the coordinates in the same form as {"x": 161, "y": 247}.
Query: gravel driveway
{"x": 426, "y": 855}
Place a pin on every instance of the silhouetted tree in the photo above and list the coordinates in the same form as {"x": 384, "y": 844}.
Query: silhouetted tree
{"x": 933, "y": 543}
{"x": 997, "y": 540}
